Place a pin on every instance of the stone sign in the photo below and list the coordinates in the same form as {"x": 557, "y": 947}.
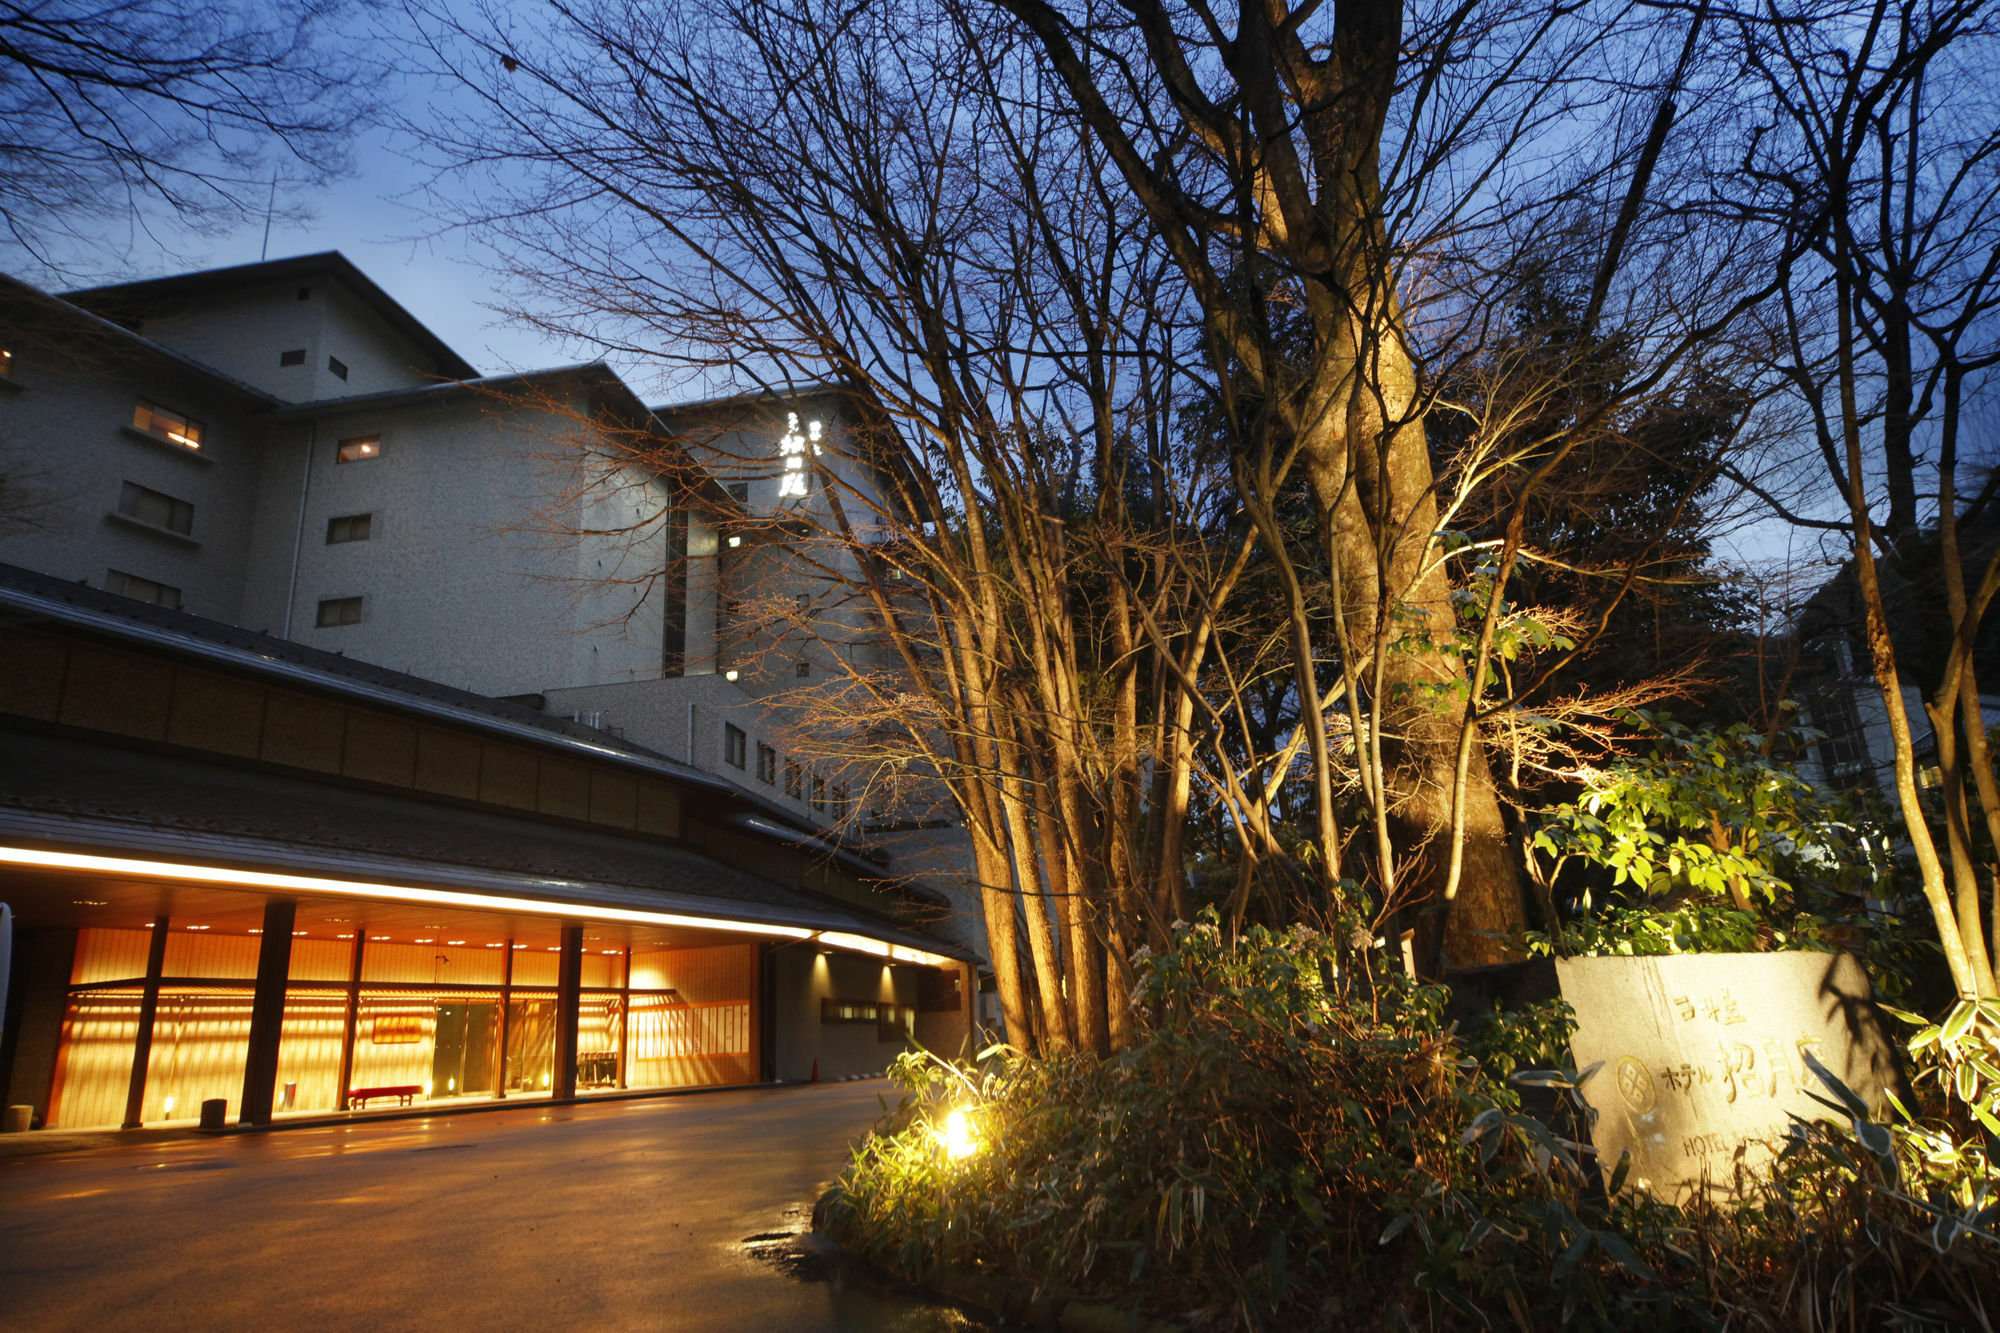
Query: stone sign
{"x": 1701, "y": 1056}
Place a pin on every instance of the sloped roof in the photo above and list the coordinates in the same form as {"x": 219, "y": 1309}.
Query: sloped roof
{"x": 126, "y": 299}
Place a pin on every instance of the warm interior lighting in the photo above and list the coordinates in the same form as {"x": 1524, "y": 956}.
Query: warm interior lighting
{"x": 454, "y": 941}
{"x": 183, "y": 440}
{"x": 901, "y": 953}
{"x": 256, "y": 932}
{"x": 167, "y": 1108}
{"x": 90, "y": 902}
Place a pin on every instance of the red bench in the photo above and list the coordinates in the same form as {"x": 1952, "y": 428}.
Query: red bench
{"x": 358, "y": 1098}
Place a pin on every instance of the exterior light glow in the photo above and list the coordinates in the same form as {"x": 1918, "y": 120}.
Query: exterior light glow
{"x": 735, "y": 542}
{"x": 958, "y": 1139}
{"x": 168, "y": 1107}
{"x": 205, "y": 928}
{"x": 427, "y": 941}
{"x": 730, "y": 674}
{"x": 229, "y": 877}
{"x": 344, "y": 937}
{"x": 379, "y": 938}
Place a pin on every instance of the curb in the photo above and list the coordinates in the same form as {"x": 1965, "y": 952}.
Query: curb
{"x": 1012, "y": 1299}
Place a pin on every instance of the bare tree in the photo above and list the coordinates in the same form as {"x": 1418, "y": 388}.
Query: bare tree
{"x": 1870, "y": 144}
{"x": 126, "y": 113}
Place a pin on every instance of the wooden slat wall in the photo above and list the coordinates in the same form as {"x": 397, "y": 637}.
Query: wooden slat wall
{"x": 200, "y": 953}
{"x": 465, "y": 965}
{"x": 309, "y": 1050}
{"x": 321, "y": 960}
{"x": 200, "y": 1044}
{"x": 94, "y": 1069}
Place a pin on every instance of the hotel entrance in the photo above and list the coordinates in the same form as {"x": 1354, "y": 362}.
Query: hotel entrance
{"x": 385, "y": 1005}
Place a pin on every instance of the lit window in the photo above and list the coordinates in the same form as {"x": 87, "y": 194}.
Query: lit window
{"x": 169, "y": 426}
{"x": 359, "y": 450}
{"x": 349, "y": 528}
{"x": 295, "y": 357}
{"x": 155, "y": 508}
{"x": 337, "y": 366}
{"x": 733, "y": 744}
{"x": 794, "y": 778}
{"x": 335, "y": 611}
{"x": 143, "y": 590}
{"x": 767, "y": 764}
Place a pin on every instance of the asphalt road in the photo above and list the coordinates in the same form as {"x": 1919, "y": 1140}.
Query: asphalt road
{"x": 621, "y": 1215}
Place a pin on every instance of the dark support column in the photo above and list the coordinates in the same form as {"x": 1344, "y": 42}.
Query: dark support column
{"x": 569, "y": 996}
{"x": 506, "y": 1009}
{"x": 625, "y": 1021}
{"x": 149, "y": 1005}
{"x": 764, "y": 1017}
{"x": 353, "y": 1020}
{"x": 267, "y": 1013}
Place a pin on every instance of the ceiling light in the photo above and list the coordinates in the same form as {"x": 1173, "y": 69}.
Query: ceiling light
{"x": 268, "y": 880}
{"x": 90, "y": 902}
{"x": 205, "y": 928}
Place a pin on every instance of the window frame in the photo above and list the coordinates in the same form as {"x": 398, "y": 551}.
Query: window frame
{"x": 366, "y": 522}
{"x": 357, "y": 449}
{"x": 134, "y": 499}
{"x": 735, "y": 745}
{"x": 191, "y": 437}
{"x": 340, "y": 620}
{"x": 767, "y": 764}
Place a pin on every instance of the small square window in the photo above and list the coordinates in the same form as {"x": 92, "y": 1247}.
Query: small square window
{"x": 295, "y": 357}
{"x": 740, "y": 491}
{"x": 337, "y": 366}
{"x": 155, "y": 508}
{"x": 733, "y": 743}
{"x": 336, "y": 611}
{"x": 794, "y": 779}
{"x": 349, "y": 528}
{"x": 767, "y": 764}
{"x": 359, "y": 450}
{"x": 144, "y": 590}
{"x": 172, "y": 427}
{"x": 805, "y": 668}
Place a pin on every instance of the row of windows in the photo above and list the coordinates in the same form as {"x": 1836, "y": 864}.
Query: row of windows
{"x": 735, "y": 753}
{"x": 333, "y": 611}
{"x": 185, "y": 432}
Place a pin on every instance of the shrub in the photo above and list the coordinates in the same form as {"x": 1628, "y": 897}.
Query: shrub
{"x": 1299, "y": 1140}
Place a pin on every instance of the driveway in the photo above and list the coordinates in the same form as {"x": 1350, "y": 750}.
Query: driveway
{"x": 618, "y": 1215}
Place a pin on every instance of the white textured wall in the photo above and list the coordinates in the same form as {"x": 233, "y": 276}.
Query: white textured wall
{"x": 65, "y": 451}
{"x": 463, "y": 580}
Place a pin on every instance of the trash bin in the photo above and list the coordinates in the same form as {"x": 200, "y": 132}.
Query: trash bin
{"x": 214, "y": 1112}
{"x": 20, "y": 1119}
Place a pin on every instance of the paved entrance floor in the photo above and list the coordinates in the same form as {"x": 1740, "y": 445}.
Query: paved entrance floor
{"x": 624, "y": 1215}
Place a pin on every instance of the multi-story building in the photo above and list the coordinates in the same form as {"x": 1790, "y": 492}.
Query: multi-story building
{"x": 280, "y": 459}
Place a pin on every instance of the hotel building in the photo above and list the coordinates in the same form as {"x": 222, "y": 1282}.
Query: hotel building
{"x": 376, "y": 733}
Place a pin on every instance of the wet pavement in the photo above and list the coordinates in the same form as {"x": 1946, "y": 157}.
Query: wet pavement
{"x": 685, "y": 1213}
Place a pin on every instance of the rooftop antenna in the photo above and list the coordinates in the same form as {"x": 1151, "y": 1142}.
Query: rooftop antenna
{"x": 269, "y": 205}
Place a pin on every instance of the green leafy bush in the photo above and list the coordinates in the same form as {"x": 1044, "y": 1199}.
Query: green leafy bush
{"x": 1300, "y": 1141}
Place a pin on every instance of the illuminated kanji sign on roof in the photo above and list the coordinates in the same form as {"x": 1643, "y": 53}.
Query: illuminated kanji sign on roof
{"x": 792, "y": 448}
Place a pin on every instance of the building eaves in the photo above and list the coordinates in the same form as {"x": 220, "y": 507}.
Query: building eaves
{"x": 328, "y": 262}
{"x": 26, "y": 592}
{"x": 24, "y": 306}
